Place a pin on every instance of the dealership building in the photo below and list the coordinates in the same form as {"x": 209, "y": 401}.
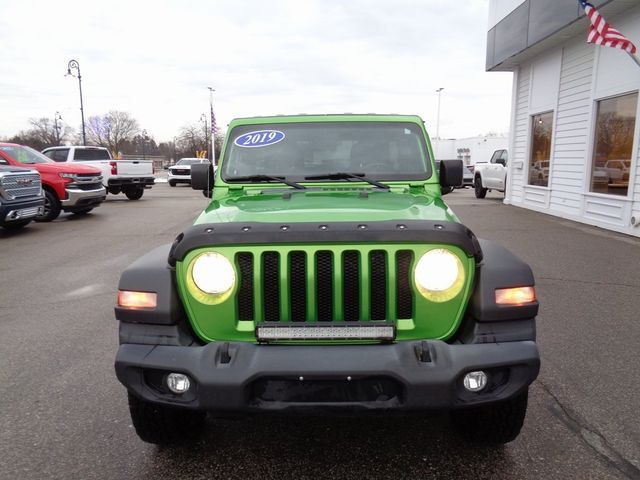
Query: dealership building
{"x": 574, "y": 140}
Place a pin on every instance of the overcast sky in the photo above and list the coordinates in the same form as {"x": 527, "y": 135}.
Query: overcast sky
{"x": 155, "y": 60}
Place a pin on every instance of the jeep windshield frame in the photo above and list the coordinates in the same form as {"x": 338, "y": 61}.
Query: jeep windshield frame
{"x": 381, "y": 150}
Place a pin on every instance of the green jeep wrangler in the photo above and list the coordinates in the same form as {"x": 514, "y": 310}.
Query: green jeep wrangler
{"x": 327, "y": 275}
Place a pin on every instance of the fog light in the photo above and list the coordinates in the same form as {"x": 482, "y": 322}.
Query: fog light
{"x": 475, "y": 381}
{"x": 178, "y": 382}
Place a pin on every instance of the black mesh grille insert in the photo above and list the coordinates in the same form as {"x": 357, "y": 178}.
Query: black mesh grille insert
{"x": 298, "y": 286}
{"x": 324, "y": 286}
{"x": 378, "y": 272}
{"x": 245, "y": 291}
{"x": 404, "y": 300}
{"x": 351, "y": 285}
{"x": 271, "y": 286}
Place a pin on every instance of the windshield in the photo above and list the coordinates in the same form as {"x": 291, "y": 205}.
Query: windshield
{"x": 189, "y": 161}
{"x": 379, "y": 150}
{"x": 26, "y": 155}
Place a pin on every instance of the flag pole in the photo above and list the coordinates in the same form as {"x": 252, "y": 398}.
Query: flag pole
{"x": 634, "y": 58}
{"x": 213, "y": 131}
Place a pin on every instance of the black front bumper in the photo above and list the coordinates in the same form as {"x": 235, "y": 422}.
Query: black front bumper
{"x": 18, "y": 210}
{"x": 247, "y": 377}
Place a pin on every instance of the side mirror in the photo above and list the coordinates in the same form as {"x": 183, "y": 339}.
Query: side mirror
{"x": 202, "y": 178}
{"x": 501, "y": 161}
{"x": 450, "y": 174}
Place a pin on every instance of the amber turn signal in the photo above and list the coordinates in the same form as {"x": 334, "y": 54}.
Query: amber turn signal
{"x": 135, "y": 300}
{"x": 515, "y": 296}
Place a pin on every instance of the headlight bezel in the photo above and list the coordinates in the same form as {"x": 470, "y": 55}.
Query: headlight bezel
{"x": 211, "y": 297}
{"x": 444, "y": 294}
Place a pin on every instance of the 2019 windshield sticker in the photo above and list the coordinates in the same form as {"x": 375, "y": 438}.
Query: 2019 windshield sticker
{"x": 259, "y": 138}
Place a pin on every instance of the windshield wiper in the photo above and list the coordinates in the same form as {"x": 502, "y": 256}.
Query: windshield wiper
{"x": 265, "y": 178}
{"x": 347, "y": 176}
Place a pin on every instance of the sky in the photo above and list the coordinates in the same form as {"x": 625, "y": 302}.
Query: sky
{"x": 155, "y": 60}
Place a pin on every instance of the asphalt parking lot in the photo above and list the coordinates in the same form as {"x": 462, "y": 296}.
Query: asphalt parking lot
{"x": 64, "y": 415}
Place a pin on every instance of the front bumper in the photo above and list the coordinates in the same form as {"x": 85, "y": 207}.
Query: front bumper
{"x": 80, "y": 199}
{"x": 19, "y": 210}
{"x": 179, "y": 178}
{"x": 248, "y": 377}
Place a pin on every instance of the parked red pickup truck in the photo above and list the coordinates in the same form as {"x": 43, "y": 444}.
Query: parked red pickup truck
{"x": 67, "y": 187}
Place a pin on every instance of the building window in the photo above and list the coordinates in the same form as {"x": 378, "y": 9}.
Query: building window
{"x": 615, "y": 125}
{"x": 540, "y": 160}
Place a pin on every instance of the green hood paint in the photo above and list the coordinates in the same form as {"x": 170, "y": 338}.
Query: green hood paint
{"x": 260, "y": 205}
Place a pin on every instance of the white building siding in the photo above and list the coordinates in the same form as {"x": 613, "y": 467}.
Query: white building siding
{"x": 520, "y": 135}
{"x": 636, "y": 193}
{"x": 572, "y": 129}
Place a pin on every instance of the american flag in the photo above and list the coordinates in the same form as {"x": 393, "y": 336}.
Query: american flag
{"x": 601, "y": 33}
{"x": 214, "y": 127}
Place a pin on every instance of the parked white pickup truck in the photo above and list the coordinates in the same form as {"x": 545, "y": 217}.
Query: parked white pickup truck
{"x": 130, "y": 177}
{"x": 492, "y": 175}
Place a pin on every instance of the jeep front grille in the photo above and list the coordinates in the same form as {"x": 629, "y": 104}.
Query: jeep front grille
{"x": 324, "y": 285}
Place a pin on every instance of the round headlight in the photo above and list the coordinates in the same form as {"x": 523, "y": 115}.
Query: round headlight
{"x": 439, "y": 275}
{"x": 212, "y": 273}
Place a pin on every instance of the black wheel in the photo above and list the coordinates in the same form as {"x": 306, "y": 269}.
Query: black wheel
{"x": 480, "y": 191}
{"x": 492, "y": 424}
{"x": 83, "y": 211}
{"x": 164, "y": 425}
{"x": 172, "y": 184}
{"x": 134, "y": 193}
{"x": 51, "y": 207}
{"x": 16, "y": 225}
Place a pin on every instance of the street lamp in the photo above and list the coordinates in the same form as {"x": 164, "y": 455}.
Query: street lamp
{"x": 73, "y": 64}
{"x": 57, "y": 117}
{"x": 174, "y": 149}
{"x": 438, "y": 91}
{"x": 144, "y": 140}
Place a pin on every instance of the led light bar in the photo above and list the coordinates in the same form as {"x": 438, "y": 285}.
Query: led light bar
{"x": 271, "y": 333}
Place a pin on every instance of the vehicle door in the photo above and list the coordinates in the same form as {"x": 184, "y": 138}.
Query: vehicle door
{"x": 490, "y": 172}
{"x": 501, "y": 169}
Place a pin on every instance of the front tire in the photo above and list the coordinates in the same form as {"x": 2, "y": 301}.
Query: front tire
{"x": 134, "y": 193}
{"x": 164, "y": 425}
{"x": 51, "y": 207}
{"x": 479, "y": 190}
{"x": 172, "y": 184}
{"x": 494, "y": 424}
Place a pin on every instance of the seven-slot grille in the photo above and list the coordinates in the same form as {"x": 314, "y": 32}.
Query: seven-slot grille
{"x": 21, "y": 185}
{"x": 324, "y": 285}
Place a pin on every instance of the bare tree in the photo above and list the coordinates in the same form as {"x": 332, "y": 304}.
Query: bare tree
{"x": 192, "y": 139}
{"x": 112, "y": 130}
{"x": 43, "y": 130}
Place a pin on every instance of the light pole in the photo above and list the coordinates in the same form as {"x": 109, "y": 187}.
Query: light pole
{"x": 57, "y": 117}
{"x": 76, "y": 66}
{"x": 174, "y": 150}
{"x": 144, "y": 140}
{"x": 438, "y": 91}
{"x": 213, "y": 127}
{"x": 203, "y": 118}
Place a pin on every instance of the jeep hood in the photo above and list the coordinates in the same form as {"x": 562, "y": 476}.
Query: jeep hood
{"x": 326, "y": 206}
